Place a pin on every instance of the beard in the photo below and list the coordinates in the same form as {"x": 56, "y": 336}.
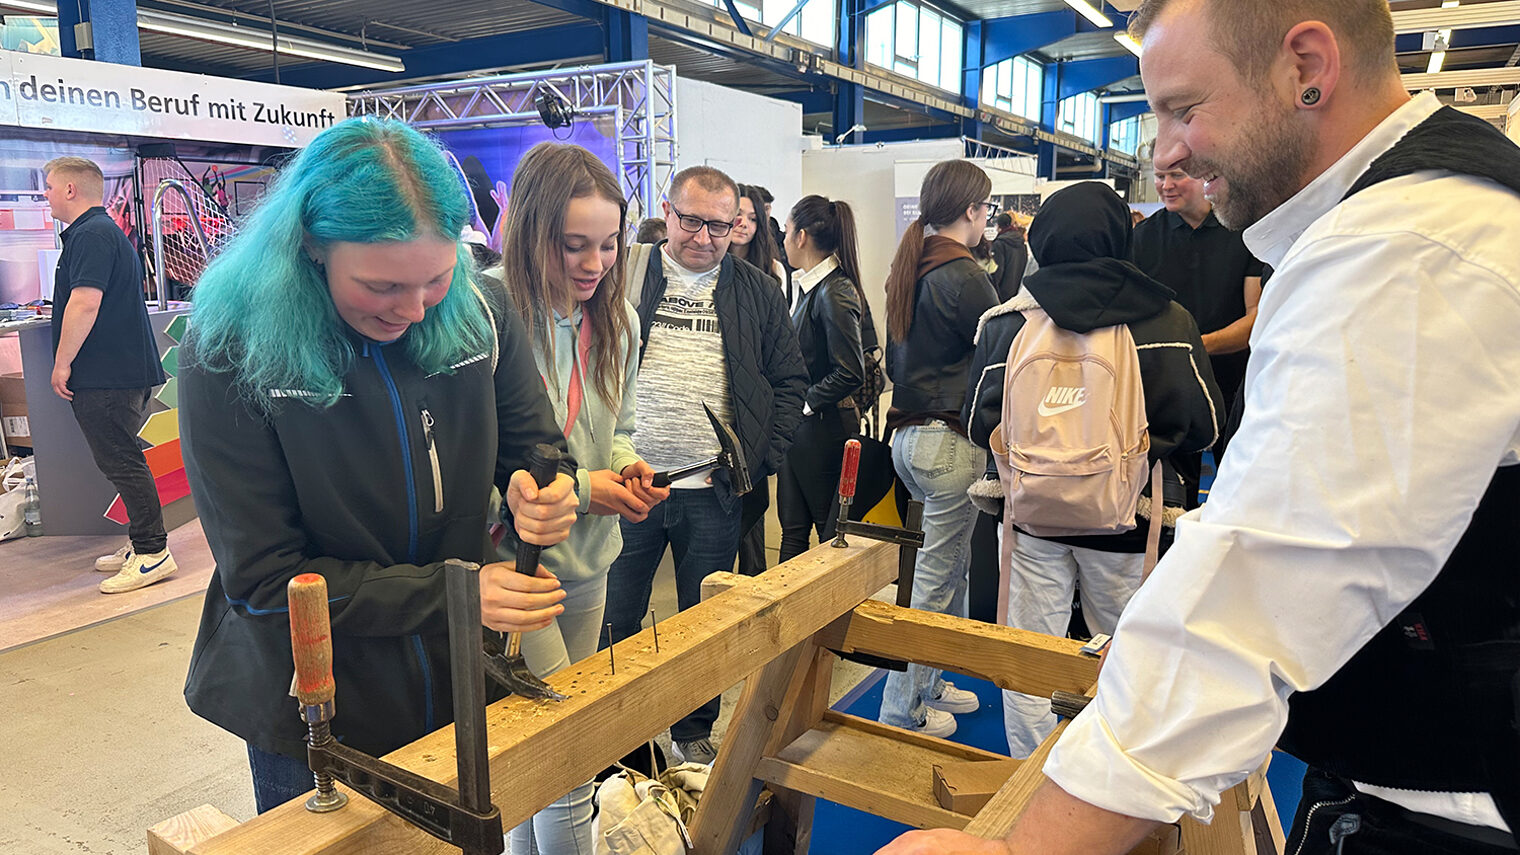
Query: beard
{"x": 1261, "y": 170}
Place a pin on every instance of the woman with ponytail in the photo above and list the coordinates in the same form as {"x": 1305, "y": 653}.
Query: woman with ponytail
{"x": 936, "y": 294}
{"x": 563, "y": 266}
{"x": 348, "y": 399}
{"x": 833, "y": 324}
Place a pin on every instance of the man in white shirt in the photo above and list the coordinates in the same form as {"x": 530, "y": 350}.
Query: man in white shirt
{"x": 1366, "y": 513}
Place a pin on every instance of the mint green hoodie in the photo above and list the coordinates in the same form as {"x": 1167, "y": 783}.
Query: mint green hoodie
{"x": 602, "y": 438}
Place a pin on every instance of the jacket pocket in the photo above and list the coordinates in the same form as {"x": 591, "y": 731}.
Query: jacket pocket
{"x": 432, "y": 451}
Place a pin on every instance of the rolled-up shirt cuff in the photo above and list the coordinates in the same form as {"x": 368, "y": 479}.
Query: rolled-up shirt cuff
{"x": 1089, "y": 764}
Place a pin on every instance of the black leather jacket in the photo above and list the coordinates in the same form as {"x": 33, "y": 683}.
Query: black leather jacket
{"x": 929, "y": 369}
{"x": 829, "y": 322}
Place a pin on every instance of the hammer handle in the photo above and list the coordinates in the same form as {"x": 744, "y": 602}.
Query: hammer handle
{"x": 311, "y": 639}
{"x": 543, "y": 465}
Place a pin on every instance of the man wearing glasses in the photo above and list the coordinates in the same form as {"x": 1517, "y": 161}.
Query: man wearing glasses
{"x": 714, "y": 330}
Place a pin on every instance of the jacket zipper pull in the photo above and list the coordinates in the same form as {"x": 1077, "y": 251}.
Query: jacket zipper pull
{"x": 432, "y": 449}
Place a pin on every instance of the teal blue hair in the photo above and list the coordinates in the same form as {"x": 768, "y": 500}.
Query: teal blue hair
{"x": 262, "y": 308}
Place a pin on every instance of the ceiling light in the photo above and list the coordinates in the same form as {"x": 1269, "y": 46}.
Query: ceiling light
{"x": 1443, "y": 41}
{"x": 1126, "y": 98}
{"x": 1437, "y": 60}
{"x": 1129, "y": 42}
{"x": 1090, "y": 12}
{"x": 252, "y": 38}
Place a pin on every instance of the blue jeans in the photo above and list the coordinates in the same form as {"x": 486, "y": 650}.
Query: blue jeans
{"x": 703, "y": 539}
{"x": 937, "y": 465}
{"x": 564, "y": 827}
{"x": 277, "y": 779}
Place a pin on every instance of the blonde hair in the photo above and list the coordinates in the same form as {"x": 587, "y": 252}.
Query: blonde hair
{"x": 86, "y": 176}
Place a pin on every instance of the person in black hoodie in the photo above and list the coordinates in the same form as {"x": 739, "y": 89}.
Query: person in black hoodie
{"x": 1011, "y": 254}
{"x": 936, "y": 291}
{"x": 832, "y": 320}
{"x": 1085, "y": 282}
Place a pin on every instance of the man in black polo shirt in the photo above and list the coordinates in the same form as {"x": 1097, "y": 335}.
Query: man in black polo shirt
{"x": 1216, "y": 279}
{"x": 106, "y": 362}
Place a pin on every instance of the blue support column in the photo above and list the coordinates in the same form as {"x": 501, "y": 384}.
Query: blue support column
{"x": 1049, "y": 106}
{"x": 113, "y": 25}
{"x": 849, "y": 110}
{"x": 972, "y": 66}
{"x": 626, "y": 35}
{"x": 1047, "y": 160}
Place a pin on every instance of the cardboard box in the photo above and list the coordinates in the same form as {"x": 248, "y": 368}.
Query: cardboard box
{"x": 966, "y": 786}
{"x": 1165, "y": 840}
{"x": 12, "y": 389}
{"x": 15, "y": 424}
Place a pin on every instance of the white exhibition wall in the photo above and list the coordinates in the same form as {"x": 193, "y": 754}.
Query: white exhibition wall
{"x": 865, "y": 176}
{"x": 755, "y": 139}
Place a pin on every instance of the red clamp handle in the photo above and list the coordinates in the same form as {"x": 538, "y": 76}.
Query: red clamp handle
{"x": 850, "y": 470}
{"x": 311, "y": 639}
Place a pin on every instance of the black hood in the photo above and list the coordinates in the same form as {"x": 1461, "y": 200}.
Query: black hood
{"x": 1081, "y": 240}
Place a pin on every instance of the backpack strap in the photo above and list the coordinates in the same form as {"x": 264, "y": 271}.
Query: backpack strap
{"x": 1153, "y": 534}
{"x": 635, "y": 271}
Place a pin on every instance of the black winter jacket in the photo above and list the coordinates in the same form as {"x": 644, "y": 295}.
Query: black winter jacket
{"x": 1012, "y": 256}
{"x": 766, "y": 375}
{"x": 350, "y": 492}
{"x": 1183, "y": 404}
{"x": 929, "y": 368}
{"x": 831, "y": 323}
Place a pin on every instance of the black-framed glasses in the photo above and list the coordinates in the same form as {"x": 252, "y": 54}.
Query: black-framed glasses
{"x": 992, "y": 209}
{"x": 715, "y": 228}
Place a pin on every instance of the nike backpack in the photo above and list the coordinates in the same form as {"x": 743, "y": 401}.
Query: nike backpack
{"x": 1072, "y": 448}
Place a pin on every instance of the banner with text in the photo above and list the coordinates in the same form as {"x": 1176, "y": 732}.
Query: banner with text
{"x": 57, "y": 93}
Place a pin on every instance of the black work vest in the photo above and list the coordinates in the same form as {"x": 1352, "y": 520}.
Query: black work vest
{"x": 1430, "y": 702}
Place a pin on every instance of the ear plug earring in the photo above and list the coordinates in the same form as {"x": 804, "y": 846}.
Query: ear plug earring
{"x": 1311, "y": 96}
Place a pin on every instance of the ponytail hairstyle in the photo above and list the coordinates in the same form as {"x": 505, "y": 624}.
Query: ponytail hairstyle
{"x": 263, "y": 310}
{"x": 548, "y": 177}
{"x": 831, "y": 225}
{"x": 948, "y": 190}
{"x": 762, "y": 252}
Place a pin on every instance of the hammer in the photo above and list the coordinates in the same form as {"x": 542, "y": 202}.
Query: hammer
{"x": 730, "y": 456}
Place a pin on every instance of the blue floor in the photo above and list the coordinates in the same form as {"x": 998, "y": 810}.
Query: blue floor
{"x": 839, "y": 830}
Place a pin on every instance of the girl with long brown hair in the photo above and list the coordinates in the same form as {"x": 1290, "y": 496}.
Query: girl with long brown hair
{"x": 752, "y": 238}
{"x": 562, "y": 266}
{"x": 936, "y": 294}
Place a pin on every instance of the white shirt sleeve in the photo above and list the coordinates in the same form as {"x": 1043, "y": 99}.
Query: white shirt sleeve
{"x": 1384, "y": 391}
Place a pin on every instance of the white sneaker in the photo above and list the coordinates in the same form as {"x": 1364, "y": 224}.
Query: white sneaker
{"x": 954, "y": 700}
{"x": 140, "y": 571}
{"x": 936, "y": 723}
{"x": 112, "y": 563}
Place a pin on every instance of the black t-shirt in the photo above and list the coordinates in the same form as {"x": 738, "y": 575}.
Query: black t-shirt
{"x": 120, "y": 351}
{"x": 1207, "y": 267}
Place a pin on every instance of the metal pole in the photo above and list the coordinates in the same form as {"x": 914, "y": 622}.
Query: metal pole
{"x": 158, "y": 234}
{"x": 465, "y": 652}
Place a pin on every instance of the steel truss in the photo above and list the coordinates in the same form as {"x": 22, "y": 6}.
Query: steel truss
{"x": 639, "y": 96}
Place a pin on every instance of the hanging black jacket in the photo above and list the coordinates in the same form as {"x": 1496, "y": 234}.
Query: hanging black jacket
{"x": 1079, "y": 239}
{"x": 1012, "y": 256}
{"x": 766, "y": 375}
{"x": 351, "y": 492}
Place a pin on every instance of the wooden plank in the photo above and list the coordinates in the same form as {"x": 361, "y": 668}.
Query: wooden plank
{"x": 994, "y": 821}
{"x": 1011, "y": 658}
{"x": 540, "y": 751}
{"x": 850, "y": 761}
{"x": 732, "y": 788}
{"x": 175, "y": 835}
{"x": 790, "y": 830}
{"x": 1270, "y": 839}
{"x": 941, "y": 747}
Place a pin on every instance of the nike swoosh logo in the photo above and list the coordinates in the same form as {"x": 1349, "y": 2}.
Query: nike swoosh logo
{"x": 1056, "y": 411}
{"x": 155, "y": 566}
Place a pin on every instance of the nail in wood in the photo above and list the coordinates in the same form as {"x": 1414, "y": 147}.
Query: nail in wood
{"x": 611, "y": 659}
{"x": 654, "y": 624}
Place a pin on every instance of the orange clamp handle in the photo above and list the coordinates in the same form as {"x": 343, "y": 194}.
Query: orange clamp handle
{"x": 311, "y": 639}
{"x": 850, "y": 470}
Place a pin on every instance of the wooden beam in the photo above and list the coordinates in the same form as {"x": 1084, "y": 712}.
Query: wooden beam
{"x": 177, "y": 834}
{"x": 540, "y": 751}
{"x": 872, "y": 767}
{"x": 1014, "y": 659}
{"x": 790, "y": 830}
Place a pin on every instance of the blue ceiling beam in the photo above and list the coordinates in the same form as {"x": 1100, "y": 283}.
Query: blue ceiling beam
{"x": 1005, "y": 38}
{"x": 589, "y": 9}
{"x": 917, "y": 132}
{"x": 1475, "y": 37}
{"x": 1127, "y": 110}
{"x": 1088, "y": 74}
{"x": 812, "y": 100}
{"x": 546, "y": 44}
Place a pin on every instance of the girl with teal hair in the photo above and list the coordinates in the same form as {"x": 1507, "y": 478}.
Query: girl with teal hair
{"x": 350, "y": 396}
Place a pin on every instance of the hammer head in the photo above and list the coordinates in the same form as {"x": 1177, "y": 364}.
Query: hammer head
{"x": 731, "y": 456}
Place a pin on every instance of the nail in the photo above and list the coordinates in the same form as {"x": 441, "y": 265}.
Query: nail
{"x": 654, "y": 624}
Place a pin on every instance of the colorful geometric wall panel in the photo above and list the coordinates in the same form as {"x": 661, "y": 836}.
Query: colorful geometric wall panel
{"x": 161, "y": 432}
